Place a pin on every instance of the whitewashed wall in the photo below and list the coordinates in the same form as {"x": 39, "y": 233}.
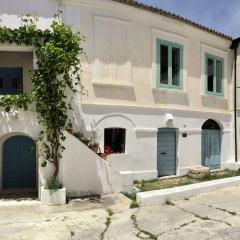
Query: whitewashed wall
{"x": 82, "y": 172}
{"x": 120, "y": 76}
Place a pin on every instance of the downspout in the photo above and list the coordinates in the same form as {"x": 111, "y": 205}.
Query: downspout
{"x": 235, "y": 104}
{"x": 234, "y": 46}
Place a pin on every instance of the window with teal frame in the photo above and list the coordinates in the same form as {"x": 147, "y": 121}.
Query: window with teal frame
{"x": 214, "y": 75}
{"x": 169, "y": 64}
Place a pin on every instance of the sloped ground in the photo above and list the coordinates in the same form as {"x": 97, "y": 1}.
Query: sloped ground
{"x": 212, "y": 216}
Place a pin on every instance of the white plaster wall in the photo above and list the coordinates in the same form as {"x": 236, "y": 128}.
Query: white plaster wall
{"x": 141, "y": 136}
{"x": 83, "y": 172}
{"x": 43, "y": 8}
{"x": 132, "y": 100}
{"x": 138, "y": 30}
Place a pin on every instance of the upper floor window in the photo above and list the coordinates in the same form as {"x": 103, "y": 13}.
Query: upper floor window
{"x": 114, "y": 140}
{"x": 214, "y": 71}
{"x": 11, "y": 80}
{"x": 169, "y": 64}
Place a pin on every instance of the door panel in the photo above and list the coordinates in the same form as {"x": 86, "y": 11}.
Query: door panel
{"x": 19, "y": 163}
{"x": 166, "y": 152}
{"x": 211, "y": 148}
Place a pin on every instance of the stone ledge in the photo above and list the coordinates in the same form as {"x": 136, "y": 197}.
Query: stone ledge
{"x": 161, "y": 196}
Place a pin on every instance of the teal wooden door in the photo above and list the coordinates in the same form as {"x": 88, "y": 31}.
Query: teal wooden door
{"x": 19, "y": 163}
{"x": 166, "y": 152}
{"x": 211, "y": 148}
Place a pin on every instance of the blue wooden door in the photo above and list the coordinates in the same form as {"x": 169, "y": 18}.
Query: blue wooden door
{"x": 211, "y": 148}
{"x": 166, "y": 152}
{"x": 19, "y": 163}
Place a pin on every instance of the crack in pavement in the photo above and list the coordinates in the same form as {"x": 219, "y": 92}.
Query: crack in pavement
{"x": 107, "y": 223}
{"x": 155, "y": 236}
{"x": 177, "y": 228}
{"x": 141, "y": 231}
{"x": 221, "y": 209}
{"x": 204, "y": 218}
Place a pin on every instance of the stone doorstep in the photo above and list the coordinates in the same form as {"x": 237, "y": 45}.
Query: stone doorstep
{"x": 159, "y": 197}
{"x": 199, "y": 169}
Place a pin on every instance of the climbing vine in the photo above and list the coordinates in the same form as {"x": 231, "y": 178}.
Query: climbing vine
{"x": 57, "y": 52}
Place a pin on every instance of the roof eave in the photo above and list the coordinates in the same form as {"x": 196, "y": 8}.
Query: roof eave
{"x": 155, "y": 10}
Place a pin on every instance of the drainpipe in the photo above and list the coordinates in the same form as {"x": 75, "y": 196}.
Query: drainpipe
{"x": 234, "y": 46}
{"x": 235, "y": 105}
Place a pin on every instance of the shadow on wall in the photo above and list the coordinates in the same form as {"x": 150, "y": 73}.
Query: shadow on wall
{"x": 214, "y": 102}
{"x": 169, "y": 97}
{"x": 113, "y": 92}
{"x": 23, "y": 121}
{"x": 76, "y": 114}
{"x": 148, "y": 112}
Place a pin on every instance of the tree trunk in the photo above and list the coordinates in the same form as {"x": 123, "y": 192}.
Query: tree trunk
{"x": 55, "y": 150}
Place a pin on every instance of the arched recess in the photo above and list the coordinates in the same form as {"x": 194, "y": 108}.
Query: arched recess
{"x": 211, "y": 144}
{"x": 19, "y": 163}
{"x": 115, "y": 120}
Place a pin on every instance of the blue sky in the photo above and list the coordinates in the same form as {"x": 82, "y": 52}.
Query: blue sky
{"x": 222, "y": 15}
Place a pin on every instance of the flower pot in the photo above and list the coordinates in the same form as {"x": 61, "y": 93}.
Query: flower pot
{"x": 94, "y": 148}
{"x": 50, "y": 197}
{"x": 70, "y": 130}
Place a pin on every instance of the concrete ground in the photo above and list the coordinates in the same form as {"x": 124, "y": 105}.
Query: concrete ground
{"x": 212, "y": 216}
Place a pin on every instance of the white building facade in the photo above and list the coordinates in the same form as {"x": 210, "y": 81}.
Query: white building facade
{"x": 154, "y": 75}
{"x": 160, "y": 94}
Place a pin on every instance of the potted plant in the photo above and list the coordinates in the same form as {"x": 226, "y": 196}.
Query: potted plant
{"x": 88, "y": 141}
{"x": 107, "y": 151}
{"x": 53, "y": 194}
{"x": 94, "y": 146}
{"x": 79, "y": 135}
{"x": 70, "y": 128}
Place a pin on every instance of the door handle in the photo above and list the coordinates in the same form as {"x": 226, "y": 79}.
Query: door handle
{"x": 163, "y": 153}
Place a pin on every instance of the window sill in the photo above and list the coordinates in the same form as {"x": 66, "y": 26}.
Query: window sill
{"x": 112, "y": 85}
{"x": 209, "y": 96}
{"x": 169, "y": 90}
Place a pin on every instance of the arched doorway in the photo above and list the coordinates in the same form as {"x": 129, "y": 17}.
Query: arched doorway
{"x": 211, "y": 144}
{"x": 19, "y": 163}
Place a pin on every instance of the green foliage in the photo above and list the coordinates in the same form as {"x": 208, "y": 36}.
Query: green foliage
{"x": 18, "y": 101}
{"x": 158, "y": 184}
{"x": 79, "y": 135}
{"x": 88, "y": 141}
{"x": 58, "y": 70}
{"x": 110, "y": 212}
{"x": 53, "y": 184}
{"x": 134, "y": 203}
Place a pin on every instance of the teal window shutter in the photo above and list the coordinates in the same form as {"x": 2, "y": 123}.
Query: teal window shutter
{"x": 214, "y": 75}
{"x": 169, "y": 64}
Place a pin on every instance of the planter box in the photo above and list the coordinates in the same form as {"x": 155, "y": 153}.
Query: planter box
{"x": 53, "y": 197}
{"x": 158, "y": 197}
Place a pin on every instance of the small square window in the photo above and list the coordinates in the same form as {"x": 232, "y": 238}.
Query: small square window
{"x": 114, "y": 140}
